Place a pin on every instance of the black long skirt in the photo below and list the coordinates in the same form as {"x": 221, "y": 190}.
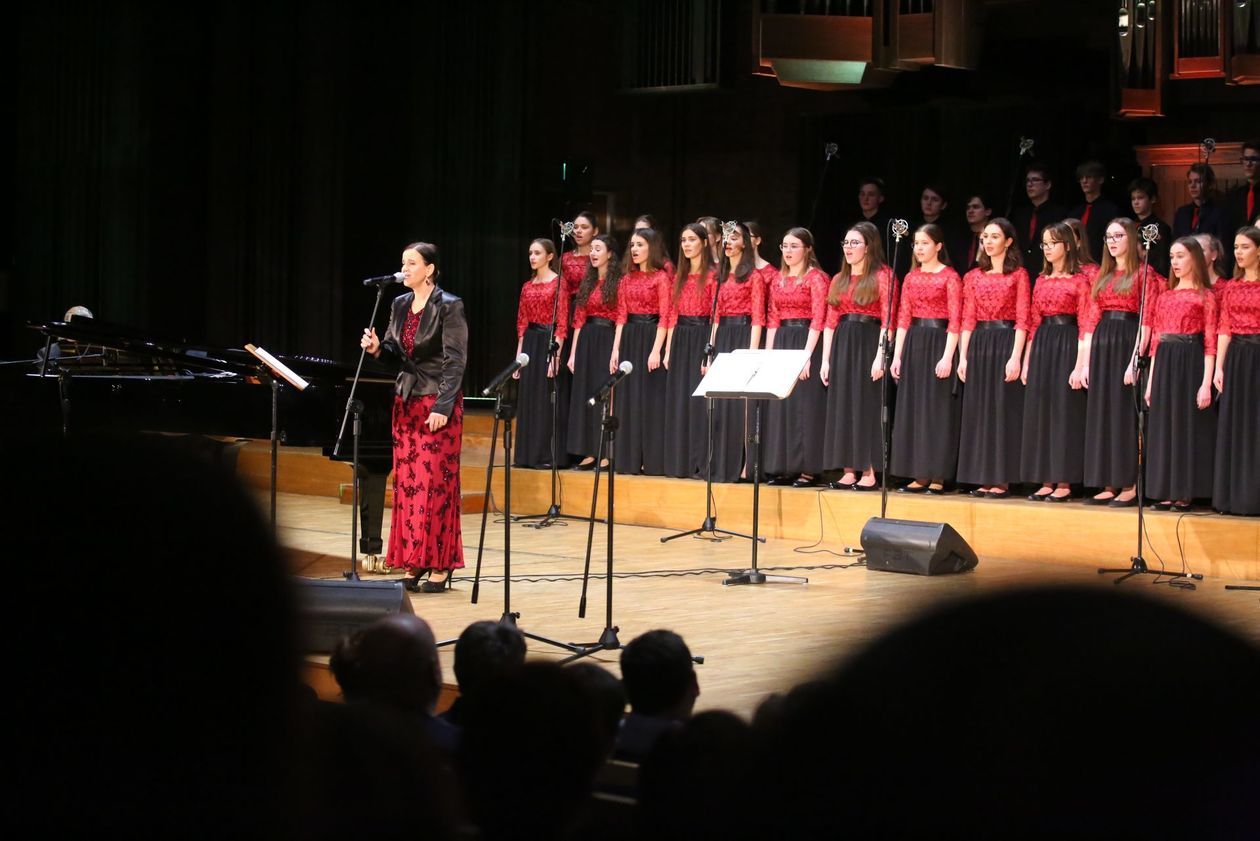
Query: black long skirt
{"x": 1110, "y": 411}
{"x": 533, "y": 407}
{"x": 731, "y": 418}
{"x": 925, "y": 433}
{"x": 639, "y": 403}
{"x": 792, "y": 429}
{"x": 1181, "y": 437}
{"x": 1236, "y": 488}
{"x": 852, "y": 436}
{"x": 686, "y": 418}
{"x": 590, "y": 370}
{"x": 992, "y": 412}
{"x": 1053, "y": 443}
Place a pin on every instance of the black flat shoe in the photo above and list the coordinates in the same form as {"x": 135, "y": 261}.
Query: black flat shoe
{"x": 743, "y": 480}
{"x": 1182, "y": 506}
{"x": 935, "y": 491}
{"x": 802, "y": 482}
{"x": 1093, "y": 500}
{"x": 1116, "y": 502}
{"x": 1161, "y": 506}
{"x": 978, "y": 493}
{"x": 780, "y": 481}
{"x": 906, "y": 489}
{"x": 1053, "y": 498}
{"x": 998, "y": 495}
{"x": 1036, "y": 497}
{"x": 841, "y": 486}
{"x": 589, "y": 465}
{"x": 863, "y": 488}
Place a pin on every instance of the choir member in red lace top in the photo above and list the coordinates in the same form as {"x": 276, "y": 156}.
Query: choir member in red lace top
{"x": 1182, "y": 438}
{"x": 994, "y": 329}
{"x": 1236, "y": 485}
{"x": 647, "y": 220}
{"x": 761, "y": 263}
{"x": 929, "y": 319}
{"x": 642, "y": 316}
{"x": 1089, "y": 266}
{"x": 427, "y": 341}
{"x": 591, "y": 349}
{"x": 1113, "y": 338}
{"x": 796, "y": 311}
{"x": 687, "y": 333}
{"x": 1214, "y": 256}
{"x": 573, "y": 264}
{"x": 713, "y": 231}
{"x": 543, "y": 297}
{"x": 861, "y": 306}
{"x": 741, "y": 317}
{"x": 1054, "y": 403}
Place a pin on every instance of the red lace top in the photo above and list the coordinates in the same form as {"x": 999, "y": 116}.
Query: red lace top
{"x": 931, "y": 295}
{"x": 1240, "y": 312}
{"x": 1109, "y": 299}
{"x": 996, "y": 297}
{"x": 805, "y": 297}
{"x": 1185, "y": 311}
{"x": 747, "y": 298}
{"x": 536, "y": 306}
{"x": 694, "y": 300}
{"x": 409, "y": 331}
{"x": 1059, "y": 296}
{"x": 594, "y": 307}
{"x": 877, "y": 307}
{"x": 641, "y": 293}
{"x": 573, "y": 268}
{"x": 1218, "y": 289}
{"x": 1090, "y": 271}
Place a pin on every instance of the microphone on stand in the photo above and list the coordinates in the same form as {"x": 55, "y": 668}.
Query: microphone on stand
{"x": 831, "y": 149}
{"x": 623, "y": 370}
{"x": 1150, "y": 233}
{"x": 396, "y": 277}
{"x": 503, "y": 376}
{"x": 728, "y": 230}
{"x": 1025, "y": 146}
{"x": 566, "y": 230}
{"x": 900, "y": 227}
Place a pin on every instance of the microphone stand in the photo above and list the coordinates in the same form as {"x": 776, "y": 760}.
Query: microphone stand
{"x": 1142, "y": 361}
{"x": 830, "y": 149}
{"x": 1025, "y": 146}
{"x": 899, "y": 229}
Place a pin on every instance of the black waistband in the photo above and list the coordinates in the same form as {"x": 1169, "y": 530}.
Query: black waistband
{"x": 942, "y": 323}
{"x": 995, "y": 324}
{"x": 1245, "y": 338}
{"x": 1181, "y": 338}
{"x": 694, "y": 320}
{"x": 1059, "y": 319}
{"x": 735, "y": 319}
{"x": 794, "y": 322}
{"x": 860, "y": 318}
{"x": 541, "y": 328}
{"x": 600, "y": 322}
{"x": 643, "y": 318}
{"x": 1119, "y": 315}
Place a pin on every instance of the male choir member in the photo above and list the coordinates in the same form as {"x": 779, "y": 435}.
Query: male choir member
{"x": 1097, "y": 210}
{"x": 1031, "y": 219}
{"x": 1236, "y": 486}
{"x": 642, "y": 313}
{"x": 533, "y": 328}
{"x": 1201, "y": 215}
{"x": 1242, "y": 204}
{"x": 1143, "y": 195}
{"x": 686, "y": 334}
{"x": 591, "y": 349}
{"x": 870, "y": 200}
{"x": 967, "y": 250}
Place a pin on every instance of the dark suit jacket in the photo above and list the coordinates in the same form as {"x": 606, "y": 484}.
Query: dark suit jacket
{"x": 1211, "y": 221}
{"x": 437, "y": 360}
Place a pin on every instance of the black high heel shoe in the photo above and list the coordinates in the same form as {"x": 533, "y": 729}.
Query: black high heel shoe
{"x": 431, "y": 586}
{"x": 412, "y": 584}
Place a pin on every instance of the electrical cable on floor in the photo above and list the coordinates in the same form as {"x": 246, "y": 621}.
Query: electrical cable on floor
{"x": 810, "y": 549}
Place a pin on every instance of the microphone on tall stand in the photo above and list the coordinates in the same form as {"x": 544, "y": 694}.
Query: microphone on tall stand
{"x": 566, "y": 230}
{"x": 1150, "y": 234}
{"x": 623, "y": 371}
{"x": 831, "y": 150}
{"x": 396, "y": 277}
{"x": 500, "y": 378}
{"x": 1209, "y": 148}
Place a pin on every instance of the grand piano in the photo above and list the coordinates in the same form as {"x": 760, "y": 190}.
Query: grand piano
{"x": 105, "y": 377}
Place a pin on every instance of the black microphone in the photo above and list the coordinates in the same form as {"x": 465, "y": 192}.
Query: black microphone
{"x": 500, "y": 378}
{"x": 396, "y": 277}
{"x": 623, "y": 370}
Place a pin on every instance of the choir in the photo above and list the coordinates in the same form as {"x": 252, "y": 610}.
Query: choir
{"x": 1000, "y": 380}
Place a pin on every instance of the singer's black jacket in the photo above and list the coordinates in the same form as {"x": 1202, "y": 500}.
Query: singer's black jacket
{"x": 436, "y": 364}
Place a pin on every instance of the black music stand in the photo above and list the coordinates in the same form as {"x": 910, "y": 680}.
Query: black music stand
{"x": 274, "y": 370}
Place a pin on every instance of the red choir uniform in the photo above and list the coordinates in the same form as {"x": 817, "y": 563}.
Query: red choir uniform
{"x": 852, "y": 434}
{"x": 994, "y": 307}
{"x": 925, "y": 432}
{"x": 642, "y": 307}
{"x": 534, "y": 409}
{"x": 1090, "y": 271}
{"x": 1181, "y": 439}
{"x": 594, "y": 325}
{"x": 573, "y": 268}
{"x": 1110, "y": 429}
{"x": 1218, "y": 289}
{"x": 741, "y": 306}
{"x": 686, "y": 418}
{"x": 792, "y": 443}
{"x": 1054, "y": 412}
{"x": 1236, "y": 485}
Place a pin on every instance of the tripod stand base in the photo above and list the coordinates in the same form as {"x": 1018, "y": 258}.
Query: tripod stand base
{"x": 574, "y": 649}
{"x": 608, "y": 641}
{"x": 709, "y": 527}
{"x": 1184, "y": 581}
{"x": 752, "y": 576}
{"x": 551, "y": 518}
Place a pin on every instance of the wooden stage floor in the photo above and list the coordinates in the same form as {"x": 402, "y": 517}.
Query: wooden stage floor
{"x": 756, "y": 640}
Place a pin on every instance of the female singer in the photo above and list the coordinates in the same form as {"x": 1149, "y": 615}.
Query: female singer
{"x": 591, "y": 350}
{"x": 858, "y": 317}
{"x": 994, "y": 328}
{"x": 427, "y": 341}
{"x": 642, "y": 315}
{"x": 759, "y": 262}
{"x": 741, "y": 315}
{"x": 1236, "y": 487}
{"x": 1113, "y": 338}
{"x": 713, "y": 228}
{"x": 647, "y": 220}
{"x": 687, "y": 332}
{"x": 1183, "y": 360}
{"x": 929, "y": 317}
{"x": 1089, "y": 266}
{"x": 533, "y": 329}
{"x": 573, "y": 264}
{"x": 797, "y": 310}
{"x": 1213, "y": 255}
{"x": 1054, "y": 404}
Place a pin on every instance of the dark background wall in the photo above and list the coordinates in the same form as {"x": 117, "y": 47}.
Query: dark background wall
{"x": 227, "y": 172}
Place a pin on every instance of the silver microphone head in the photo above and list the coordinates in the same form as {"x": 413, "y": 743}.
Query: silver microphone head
{"x": 566, "y": 229}
{"x": 1209, "y": 146}
{"x": 1150, "y": 233}
{"x": 831, "y": 149}
{"x": 728, "y": 230}
{"x": 626, "y": 367}
{"x": 523, "y": 359}
{"x": 900, "y": 227}
{"x": 1025, "y": 146}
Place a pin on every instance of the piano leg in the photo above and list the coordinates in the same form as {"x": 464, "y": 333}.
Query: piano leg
{"x": 372, "y": 476}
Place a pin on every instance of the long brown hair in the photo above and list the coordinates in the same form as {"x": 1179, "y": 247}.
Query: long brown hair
{"x": 747, "y": 256}
{"x": 684, "y": 263}
{"x": 1251, "y": 232}
{"x": 811, "y": 261}
{"x": 867, "y": 287}
{"x": 1011, "y": 260}
{"x": 656, "y": 251}
{"x": 1201, "y": 277}
{"x": 612, "y": 275}
{"x": 933, "y": 232}
{"x": 1061, "y": 232}
{"x": 1083, "y": 252}
{"x": 1121, "y": 278}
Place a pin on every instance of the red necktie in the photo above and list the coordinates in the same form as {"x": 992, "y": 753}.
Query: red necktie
{"x": 971, "y": 252}
{"x": 1194, "y": 220}
{"x": 1251, "y": 205}
{"x": 1085, "y": 215}
{"x": 1032, "y": 226}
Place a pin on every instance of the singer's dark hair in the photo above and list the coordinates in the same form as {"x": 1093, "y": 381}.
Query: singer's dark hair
{"x": 984, "y": 201}
{"x": 1206, "y": 173}
{"x": 589, "y": 217}
{"x": 1082, "y": 241}
{"x": 811, "y": 259}
{"x": 647, "y": 220}
{"x": 656, "y": 252}
{"x": 713, "y": 225}
{"x": 612, "y": 275}
{"x": 1092, "y": 168}
{"x": 867, "y": 288}
{"x": 1144, "y": 185}
{"x": 1201, "y": 279}
{"x": 1214, "y": 242}
{"x": 933, "y": 232}
{"x": 935, "y": 187}
{"x": 1040, "y": 168}
{"x": 1252, "y": 233}
{"x": 1062, "y": 232}
{"x": 549, "y": 247}
{"x": 429, "y": 252}
{"x": 1120, "y": 277}
{"x": 1254, "y": 145}
{"x": 684, "y": 264}
{"x": 875, "y": 181}
{"x": 1012, "y": 260}
{"x": 747, "y": 256}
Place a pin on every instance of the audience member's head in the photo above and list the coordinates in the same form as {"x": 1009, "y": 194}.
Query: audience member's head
{"x": 484, "y": 651}
{"x": 607, "y": 693}
{"x": 659, "y": 676}
{"x": 392, "y": 662}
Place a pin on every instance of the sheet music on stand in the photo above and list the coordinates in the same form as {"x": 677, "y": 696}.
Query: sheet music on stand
{"x": 281, "y": 370}
{"x": 753, "y": 374}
